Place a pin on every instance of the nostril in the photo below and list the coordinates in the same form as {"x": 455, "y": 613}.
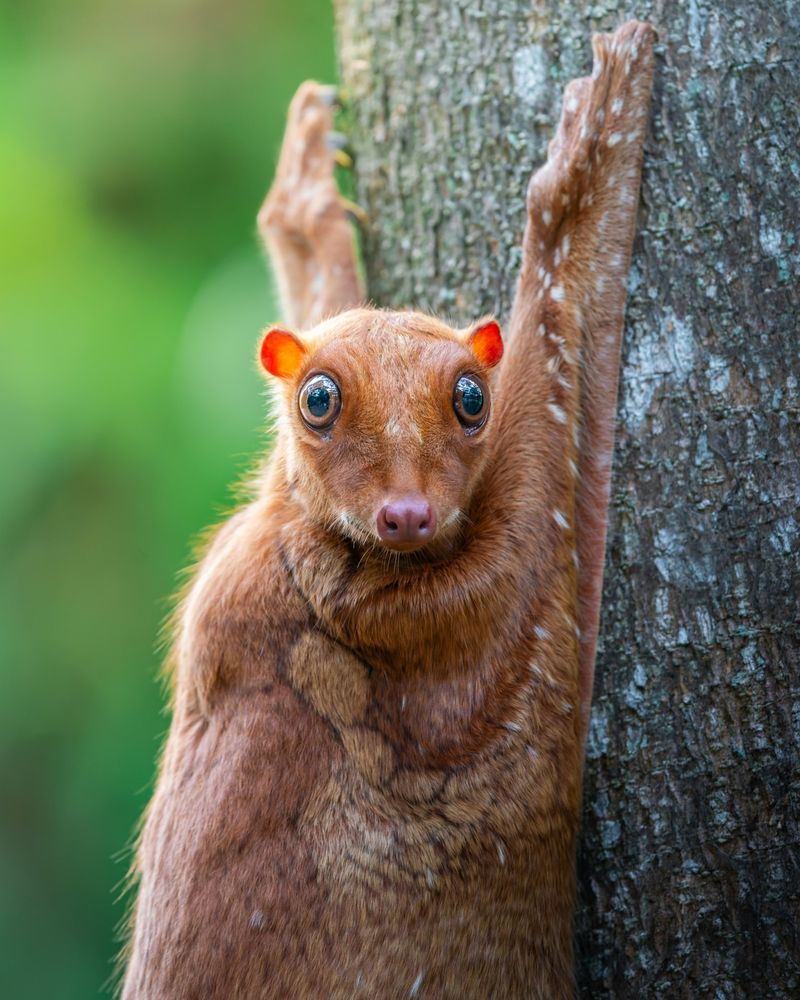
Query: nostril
{"x": 421, "y": 516}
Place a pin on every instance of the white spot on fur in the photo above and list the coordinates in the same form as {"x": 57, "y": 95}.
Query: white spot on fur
{"x": 572, "y": 104}
{"x": 541, "y": 633}
{"x": 513, "y": 727}
{"x": 557, "y": 292}
{"x": 393, "y": 428}
{"x": 547, "y": 216}
{"x": 565, "y": 247}
{"x": 430, "y": 878}
{"x": 560, "y": 520}
{"x": 452, "y": 517}
{"x": 566, "y": 356}
{"x": 256, "y": 921}
{"x": 541, "y": 329}
{"x": 614, "y": 138}
{"x": 557, "y": 412}
{"x": 575, "y": 559}
{"x": 531, "y": 752}
{"x": 616, "y": 105}
{"x": 416, "y": 985}
{"x": 501, "y": 853}
{"x": 548, "y": 277}
{"x": 573, "y": 468}
{"x": 633, "y": 136}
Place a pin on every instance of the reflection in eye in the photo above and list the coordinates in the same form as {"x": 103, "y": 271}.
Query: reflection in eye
{"x": 470, "y": 401}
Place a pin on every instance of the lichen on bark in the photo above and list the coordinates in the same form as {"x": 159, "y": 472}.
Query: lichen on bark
{"x": 690, "y": 856}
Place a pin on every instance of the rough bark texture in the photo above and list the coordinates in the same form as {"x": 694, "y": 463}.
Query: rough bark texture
{"x": 690, "y": 863}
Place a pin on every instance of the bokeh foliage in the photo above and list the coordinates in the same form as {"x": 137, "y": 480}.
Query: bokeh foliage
{"x": 136, "y": 141}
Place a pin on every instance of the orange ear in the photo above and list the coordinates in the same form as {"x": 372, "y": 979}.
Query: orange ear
{"x": 487, "y": 343}
{"x": 281, "y": 353}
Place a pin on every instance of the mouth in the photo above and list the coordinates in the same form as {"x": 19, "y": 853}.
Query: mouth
{"x": 393, "y": 546}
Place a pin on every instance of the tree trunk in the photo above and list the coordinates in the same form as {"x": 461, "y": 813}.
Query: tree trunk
{"x": 690, "y": 868}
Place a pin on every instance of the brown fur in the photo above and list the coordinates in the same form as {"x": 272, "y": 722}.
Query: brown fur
{"x": 371, "y": 786}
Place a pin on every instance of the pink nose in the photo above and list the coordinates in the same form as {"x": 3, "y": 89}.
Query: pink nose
{"x": 406, "y": 522}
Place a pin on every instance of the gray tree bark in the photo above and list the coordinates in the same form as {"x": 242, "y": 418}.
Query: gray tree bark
{"x": 690, "y": 861}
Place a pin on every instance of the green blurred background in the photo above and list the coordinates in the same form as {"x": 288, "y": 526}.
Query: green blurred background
{"x": 137, "y": 140}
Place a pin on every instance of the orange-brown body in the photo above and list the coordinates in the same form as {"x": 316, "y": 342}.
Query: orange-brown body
{"x": 371, "y": 785}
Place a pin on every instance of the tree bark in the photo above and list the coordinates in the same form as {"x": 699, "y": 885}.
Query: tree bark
{"x": 690, "y": 861}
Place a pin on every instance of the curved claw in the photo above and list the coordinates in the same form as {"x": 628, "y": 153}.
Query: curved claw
{"x": 354, "y": 211}
{"x": 343, "y": 159}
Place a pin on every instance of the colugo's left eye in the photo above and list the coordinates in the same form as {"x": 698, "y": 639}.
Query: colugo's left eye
{"x": 320, "y": 401}
{"x": 471, "y": 401}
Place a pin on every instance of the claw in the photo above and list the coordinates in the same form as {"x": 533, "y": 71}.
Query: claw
{"x": 356, "y": 212}
{"x": 337, "y": 141}
{"x": 343, "y": 159}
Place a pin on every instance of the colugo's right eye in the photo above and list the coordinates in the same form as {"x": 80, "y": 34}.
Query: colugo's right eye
{"x": 320, "y": 401}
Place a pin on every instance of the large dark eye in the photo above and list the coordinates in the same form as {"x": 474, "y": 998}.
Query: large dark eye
{"x": 320, "y": 401}
{"x": 471, "y": 401}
